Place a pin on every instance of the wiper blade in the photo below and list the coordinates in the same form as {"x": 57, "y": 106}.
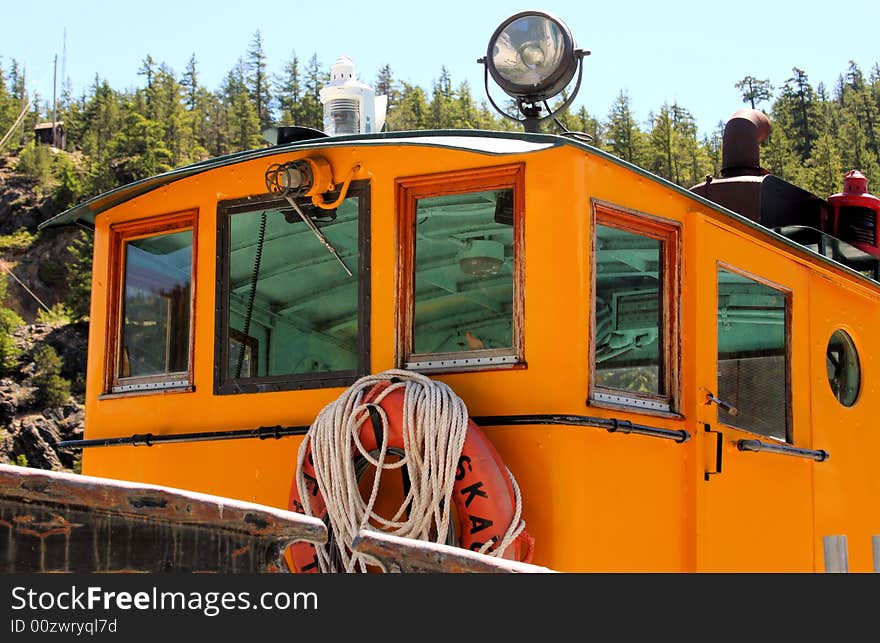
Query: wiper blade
{"x": 308, "y": 221}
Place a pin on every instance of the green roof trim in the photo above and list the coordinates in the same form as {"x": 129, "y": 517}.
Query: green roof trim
{"x": 493, "y": 144}
{"x": 479, "y": 141}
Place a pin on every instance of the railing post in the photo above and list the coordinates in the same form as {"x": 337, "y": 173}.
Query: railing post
{"x": 836, "y": 557}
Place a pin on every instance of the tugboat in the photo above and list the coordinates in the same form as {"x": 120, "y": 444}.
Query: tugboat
{"x": 470, "y": 351}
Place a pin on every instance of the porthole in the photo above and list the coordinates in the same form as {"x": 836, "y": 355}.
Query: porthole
{"x": 844, "y": 372}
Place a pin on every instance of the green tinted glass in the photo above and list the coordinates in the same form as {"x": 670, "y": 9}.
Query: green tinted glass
{"x": 752, "y": 360}
{"x": 156, "y": 305}
{"x": 628, "y": 334}
{"x": 464, "y": 273}
{"x": 293, "y": 309}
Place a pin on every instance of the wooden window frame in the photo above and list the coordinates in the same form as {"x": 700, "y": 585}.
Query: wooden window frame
{"x": 668, "y": 233}
{"x": 408, "y": 191}
{"x": 120, "y": 235}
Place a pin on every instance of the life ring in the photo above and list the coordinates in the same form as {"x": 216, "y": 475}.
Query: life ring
{"x": 483, "y": 495}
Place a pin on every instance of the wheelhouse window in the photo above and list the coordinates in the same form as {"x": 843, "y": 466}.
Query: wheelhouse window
{"x": 635, "y": 310}
{"x": 291, "y": 316}
{"x": 753, "y": 360}
{"x": 152, "y": 286}
{"x": 460, "y": 269}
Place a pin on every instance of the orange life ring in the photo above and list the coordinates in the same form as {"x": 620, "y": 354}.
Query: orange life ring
{"x": 483, "y": 495}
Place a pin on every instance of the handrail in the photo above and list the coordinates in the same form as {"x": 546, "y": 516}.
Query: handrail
{"x": 612, "y": 425}
{"x": 148, "y": 439}
{"x": 758, "y": 446}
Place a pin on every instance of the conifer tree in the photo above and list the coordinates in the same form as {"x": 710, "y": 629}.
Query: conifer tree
{"x": 9, "y": 321}
{"x": 190, "y": 83}
{"x": 622, "y": 135}
{"x": 8, "y": 112}
{"x": 386, "y": 85}
{"x": 661, "y": 143}
{"x": 754, "y": 91}
{"x": 311, "y": 109}
{"x": 148, "y": 67}
{"x": 442, "y": 107}
{"x": 243, "y": 121}
{"x": 289, "y": 93}
{"x": 195, "y": 120}
{"x": 411, "y": 113}
{"x": 258, "y": 81}
{"x": 796, "y": 110}
{"x": 825, "y": 168}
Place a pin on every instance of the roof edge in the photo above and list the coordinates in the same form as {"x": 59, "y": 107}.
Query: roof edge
{"x": 91, "y": 208}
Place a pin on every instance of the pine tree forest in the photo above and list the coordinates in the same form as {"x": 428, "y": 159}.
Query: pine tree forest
{"x": 116, "y": 136}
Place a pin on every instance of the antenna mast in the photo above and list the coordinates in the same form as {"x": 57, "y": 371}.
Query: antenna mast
{"x": 64, "y": 57}
{"x": 55, "y": 103}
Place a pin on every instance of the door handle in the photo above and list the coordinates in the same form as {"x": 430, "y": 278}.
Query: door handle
{"x": 719, "y": 449}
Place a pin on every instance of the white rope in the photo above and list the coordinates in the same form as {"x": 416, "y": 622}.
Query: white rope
{"x": 434, "y": 427}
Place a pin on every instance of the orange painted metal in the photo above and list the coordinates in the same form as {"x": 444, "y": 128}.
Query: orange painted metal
{"x": 594, "y": 501}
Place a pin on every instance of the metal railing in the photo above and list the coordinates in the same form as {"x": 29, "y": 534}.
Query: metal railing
{"x": 757, "y": 446}
{"x": 612, "y": 425}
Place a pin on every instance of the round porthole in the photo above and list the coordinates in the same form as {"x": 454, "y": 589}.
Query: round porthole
{"x": 844, "y": 372}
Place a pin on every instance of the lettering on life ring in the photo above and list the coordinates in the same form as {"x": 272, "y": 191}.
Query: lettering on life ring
{"x": 483, "y": 495}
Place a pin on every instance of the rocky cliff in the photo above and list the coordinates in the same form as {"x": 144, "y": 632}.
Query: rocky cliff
{"x": 34, "y": 265}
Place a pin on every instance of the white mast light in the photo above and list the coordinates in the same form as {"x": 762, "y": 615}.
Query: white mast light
{"x": 350, "y": 106}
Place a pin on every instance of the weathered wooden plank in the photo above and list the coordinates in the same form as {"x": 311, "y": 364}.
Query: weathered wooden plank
{"x": 59, "y": 522}
{"x": 406, "y": 555}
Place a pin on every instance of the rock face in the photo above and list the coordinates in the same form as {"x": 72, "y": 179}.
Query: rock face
{"x": 29, "y": 435}
{"x": 34, "y": 266}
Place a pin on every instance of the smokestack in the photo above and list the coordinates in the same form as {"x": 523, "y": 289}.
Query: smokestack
{"x": 740, "y": 146}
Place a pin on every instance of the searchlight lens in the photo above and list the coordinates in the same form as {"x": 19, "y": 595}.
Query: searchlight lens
{"x": 532, "y": 56}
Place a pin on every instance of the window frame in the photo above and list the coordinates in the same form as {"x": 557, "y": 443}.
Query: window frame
{"x": 408, "y": 191}
{"x": 851, "y": 351}
{"x": 668, "y": 233}
{"x": 788, "y": 295}
{"x": 121, "y": 234}
{"x": 225, "y": 385}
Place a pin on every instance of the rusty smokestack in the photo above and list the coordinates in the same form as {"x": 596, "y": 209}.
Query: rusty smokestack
{"x": 740, "y": 145}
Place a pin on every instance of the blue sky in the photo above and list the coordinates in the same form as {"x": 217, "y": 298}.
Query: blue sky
{"x": 689, "y": 51}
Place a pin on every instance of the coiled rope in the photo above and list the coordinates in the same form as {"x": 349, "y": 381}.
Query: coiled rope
{"x": 435, "y": 424}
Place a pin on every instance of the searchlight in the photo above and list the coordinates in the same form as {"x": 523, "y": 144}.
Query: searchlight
{"x": 532, "y": 57}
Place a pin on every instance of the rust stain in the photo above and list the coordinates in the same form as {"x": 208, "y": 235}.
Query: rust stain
{"x": 241, "y": 550}
{"x": 27, "y": 525}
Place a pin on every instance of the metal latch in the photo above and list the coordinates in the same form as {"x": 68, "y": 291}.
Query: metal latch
{"x": 727, "y": 406}
{"x": 719, "y": 444}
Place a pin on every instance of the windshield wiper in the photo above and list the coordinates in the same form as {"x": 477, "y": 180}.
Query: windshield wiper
{"x": 308, "y": 221}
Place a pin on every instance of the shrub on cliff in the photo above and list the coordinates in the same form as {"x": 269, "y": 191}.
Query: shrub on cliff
{"x": 51, "y": 389}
